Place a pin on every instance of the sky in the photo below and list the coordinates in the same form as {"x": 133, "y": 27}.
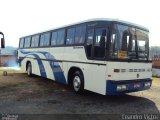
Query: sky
{"x": 22, "y": 17}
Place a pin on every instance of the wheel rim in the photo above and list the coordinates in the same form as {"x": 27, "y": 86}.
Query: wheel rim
{"x": 76, "y": 83}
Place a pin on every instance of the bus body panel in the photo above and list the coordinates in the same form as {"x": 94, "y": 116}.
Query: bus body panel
{"x": 126, "y": 86}
{"x": 130, "y": 74}
{"x": 75, "y": 56}
{"x": 129, "y": 70}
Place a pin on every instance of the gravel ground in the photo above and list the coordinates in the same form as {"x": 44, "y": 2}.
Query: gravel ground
{"x": 20, "y": 94}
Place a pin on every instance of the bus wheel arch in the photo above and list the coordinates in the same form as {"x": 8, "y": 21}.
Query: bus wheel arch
{"x": 76, "y": 74}
{"x": 29, "y": 68}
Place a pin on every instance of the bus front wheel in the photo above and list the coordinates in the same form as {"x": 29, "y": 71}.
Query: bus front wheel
{"x": 29, "y": 69}
{"x": 78, "y": 82}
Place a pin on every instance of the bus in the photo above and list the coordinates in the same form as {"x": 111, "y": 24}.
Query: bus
{"x": 105, "y": 56}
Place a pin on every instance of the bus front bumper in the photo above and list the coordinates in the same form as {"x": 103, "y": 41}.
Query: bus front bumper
{"x": 127, "y": 86}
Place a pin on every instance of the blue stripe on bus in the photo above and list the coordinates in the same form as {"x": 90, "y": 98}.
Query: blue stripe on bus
{"x": 40, "y": 64}
{"x": 56, "y": 69}
{"x": 58, "y": 72}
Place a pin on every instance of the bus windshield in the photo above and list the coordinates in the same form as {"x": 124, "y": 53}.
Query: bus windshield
{"x": 129, "y": 43}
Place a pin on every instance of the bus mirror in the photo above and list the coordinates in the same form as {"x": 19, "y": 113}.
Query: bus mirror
{"x": 2, "y": 43}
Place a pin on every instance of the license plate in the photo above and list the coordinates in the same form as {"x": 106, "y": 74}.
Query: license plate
{"x": 136, "y": 85}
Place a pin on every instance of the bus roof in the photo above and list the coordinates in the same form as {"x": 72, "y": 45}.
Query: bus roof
{"x": 94, "y": 20}
{"x": 108, "y": 19}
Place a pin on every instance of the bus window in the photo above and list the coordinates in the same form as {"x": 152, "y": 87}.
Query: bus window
{"x": 70, "y": 36}
{"x": 42, "y": 40}
{"x": 45, "y": 39}
{"x": 27, "y": 42}
{"x": 99, "y": 43}
{"x": 35, "y": 41}
{"x": 54, "y": 38}
{"x": 80, "y": 34}
{"x": 89, "y": 42}
{"x": 60, "y": 39}
{"x": 21, "y": 43}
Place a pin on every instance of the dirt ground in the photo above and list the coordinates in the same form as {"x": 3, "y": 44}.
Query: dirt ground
{"x": 20, "y": 94}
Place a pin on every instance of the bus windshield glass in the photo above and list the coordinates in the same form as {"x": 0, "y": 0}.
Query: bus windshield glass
{"x": 129, "y": 43}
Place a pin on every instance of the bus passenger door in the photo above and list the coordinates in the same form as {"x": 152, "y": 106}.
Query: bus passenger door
{"x": 96, "y": 44}
{"x": 89, "y": 43}
{"x": 99, "y": 53}
{"x": 95, "y": 50}
{"x": 99, "y": 44}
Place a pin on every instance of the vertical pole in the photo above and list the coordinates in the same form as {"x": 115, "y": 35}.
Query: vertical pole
{"x": 0, "y": 49}
{"x": 0, "y": 58}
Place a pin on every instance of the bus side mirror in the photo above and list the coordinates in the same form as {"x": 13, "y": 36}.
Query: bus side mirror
{"x": 2, "y": 43}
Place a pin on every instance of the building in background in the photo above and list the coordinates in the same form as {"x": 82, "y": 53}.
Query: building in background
{"x": 155, "y": 55}
{"x": 156, "y": 65}
{"x": 8, "y": 57}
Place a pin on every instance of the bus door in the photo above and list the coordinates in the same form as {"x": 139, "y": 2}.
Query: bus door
{"x": 96, "y": 52}
{"x": 99, "y": 44}
{"x": 96, "y": 43}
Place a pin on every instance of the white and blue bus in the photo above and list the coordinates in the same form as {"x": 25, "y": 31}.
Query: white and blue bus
{"x": 101, "y": 55}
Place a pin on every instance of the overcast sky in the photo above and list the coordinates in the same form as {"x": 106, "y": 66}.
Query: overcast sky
{"x": 22, "y": 17}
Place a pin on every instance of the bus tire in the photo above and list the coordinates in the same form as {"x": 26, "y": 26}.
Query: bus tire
{"x": 29, "y": 70}
{"x": 78, "y": 82}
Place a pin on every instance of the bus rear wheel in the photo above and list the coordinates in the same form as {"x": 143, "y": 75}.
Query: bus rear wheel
{"x": 78, "y": 82}
{"x": 29, "y": 70}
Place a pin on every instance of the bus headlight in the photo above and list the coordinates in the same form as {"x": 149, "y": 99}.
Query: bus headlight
{"x": 121, "y": 87}
{"x": 146, "y": 84}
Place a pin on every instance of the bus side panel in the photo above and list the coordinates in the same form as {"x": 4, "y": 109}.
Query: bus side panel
{"x": 94, "y": 73}
{"x": 97, "y": 83}
{"x": 57, "y": 55}
{"x": 94, "y": 76}
{"x": 35, "y": 68}
{"x": 129, "y": 70}
{"x": 44, "y": 63}
{"x": 23, "y": 65}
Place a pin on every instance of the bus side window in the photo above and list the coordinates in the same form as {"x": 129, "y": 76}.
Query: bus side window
{"x": 54, "y": 38}
{"x": 80, "y": 34}
{"x": 42, "y": 40}
{"x": 32, "y": 41}
{"x": 35, "y": 41}
{"x": 89, "y": 42}
{"x": 27, "y": 42}
{"x": 21, "y": 43}
{"x": 70, "y": 36}
{"x": 60, "y": 37}
{"x": 45, "y": 39}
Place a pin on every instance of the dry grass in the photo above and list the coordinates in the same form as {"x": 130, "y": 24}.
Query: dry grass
{"x": 156, "y": 81}
{"x": 21, "y": 92}
{"x": 9, "y": 70}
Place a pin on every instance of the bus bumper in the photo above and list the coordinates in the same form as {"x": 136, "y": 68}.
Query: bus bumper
{"x": 127, "y": 86}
